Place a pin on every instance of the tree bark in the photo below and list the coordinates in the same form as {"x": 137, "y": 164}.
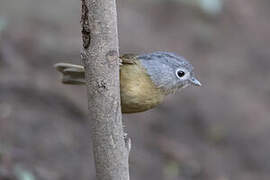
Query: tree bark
{"x": 100, "y": 57}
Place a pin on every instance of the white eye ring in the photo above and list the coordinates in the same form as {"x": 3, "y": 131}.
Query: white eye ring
{"x": 181, "y": 74}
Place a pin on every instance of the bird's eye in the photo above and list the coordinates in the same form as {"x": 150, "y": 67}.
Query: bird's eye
{"x": 180, "y": 73}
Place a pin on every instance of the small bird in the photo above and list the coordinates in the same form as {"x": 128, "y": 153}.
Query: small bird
{"x": 144, "y": 79}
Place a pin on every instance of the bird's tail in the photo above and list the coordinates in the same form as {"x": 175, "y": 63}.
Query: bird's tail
{"x": 71, "y": 73}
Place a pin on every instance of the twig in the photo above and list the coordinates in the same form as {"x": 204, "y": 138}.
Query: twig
{"x": 100, "y": 58}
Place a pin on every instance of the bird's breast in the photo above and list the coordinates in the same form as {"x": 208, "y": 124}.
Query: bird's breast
{"x": 138, "y": 92}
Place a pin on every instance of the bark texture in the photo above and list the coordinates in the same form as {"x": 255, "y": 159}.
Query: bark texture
{"x": 100, "y": 58}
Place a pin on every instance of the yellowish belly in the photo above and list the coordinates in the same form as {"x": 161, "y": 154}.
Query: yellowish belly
{"x": 138, "y": 93}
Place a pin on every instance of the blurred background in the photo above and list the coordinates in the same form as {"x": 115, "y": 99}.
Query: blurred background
{"x": 220, "y": 131}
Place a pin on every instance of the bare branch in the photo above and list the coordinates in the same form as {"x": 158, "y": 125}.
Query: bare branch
{"x": 100, "y": 57}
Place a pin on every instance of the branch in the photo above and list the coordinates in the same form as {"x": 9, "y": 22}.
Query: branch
{"x": 100, "y": 58}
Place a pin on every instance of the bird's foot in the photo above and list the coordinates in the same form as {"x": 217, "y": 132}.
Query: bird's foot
{"x": 127, "y": 142}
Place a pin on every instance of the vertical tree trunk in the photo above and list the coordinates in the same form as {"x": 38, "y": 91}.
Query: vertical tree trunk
{"x": 100, "y": 57}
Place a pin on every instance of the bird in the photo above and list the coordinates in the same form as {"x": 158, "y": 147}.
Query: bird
{"x": 145, "y": 80}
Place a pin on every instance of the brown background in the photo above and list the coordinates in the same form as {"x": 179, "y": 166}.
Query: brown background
{"x": 220, "y": 131}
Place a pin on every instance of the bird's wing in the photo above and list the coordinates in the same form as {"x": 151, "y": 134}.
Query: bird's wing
{"x": 128, "y": 59}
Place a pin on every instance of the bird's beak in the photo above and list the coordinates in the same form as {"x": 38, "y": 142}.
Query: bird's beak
{"x": 195, "y": 82}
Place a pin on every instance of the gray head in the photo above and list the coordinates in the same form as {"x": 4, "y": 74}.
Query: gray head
{"x": 169, "y": 71}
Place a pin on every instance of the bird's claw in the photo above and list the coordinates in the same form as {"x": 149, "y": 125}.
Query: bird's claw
{"x": 127, "y": 142}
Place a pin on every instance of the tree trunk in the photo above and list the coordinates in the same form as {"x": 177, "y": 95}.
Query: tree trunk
{"x": 100, "y": 58}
